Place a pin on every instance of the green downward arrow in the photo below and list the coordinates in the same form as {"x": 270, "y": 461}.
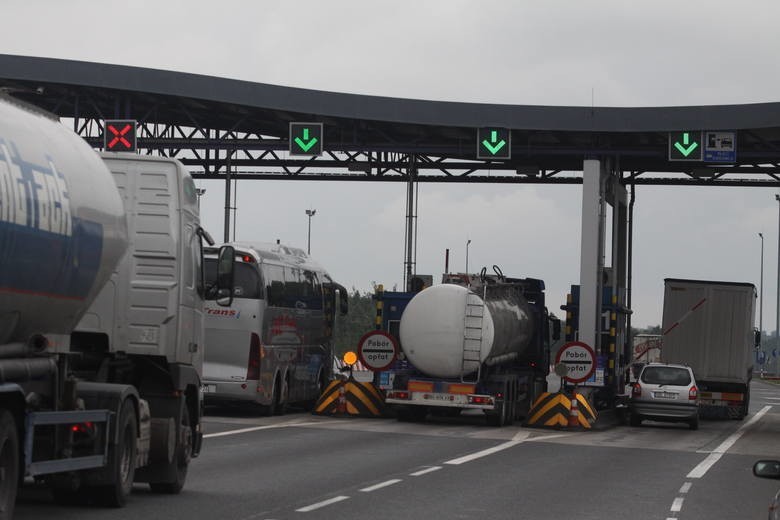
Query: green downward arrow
{"x": 305, "y": 143}
{"x": 493, "y": 147}
{"x": 685, "y": 149}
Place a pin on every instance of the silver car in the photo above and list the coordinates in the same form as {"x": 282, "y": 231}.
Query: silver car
{"x": 665, "y": 392}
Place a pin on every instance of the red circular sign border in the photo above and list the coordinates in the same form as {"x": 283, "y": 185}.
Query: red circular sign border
{"x": 590, "y": 351}
{"x": 373, "y": 333}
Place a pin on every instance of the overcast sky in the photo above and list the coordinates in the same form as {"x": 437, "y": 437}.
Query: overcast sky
{"x": 607, "y": 53}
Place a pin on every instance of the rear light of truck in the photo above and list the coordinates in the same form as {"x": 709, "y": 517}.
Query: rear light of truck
{"x": 636, "y": 390}
{"x": 693, "y": 393}
{"x": 399, "y": 394}
{"x": 481, "y": 399}
{"x": 253, "y": 365}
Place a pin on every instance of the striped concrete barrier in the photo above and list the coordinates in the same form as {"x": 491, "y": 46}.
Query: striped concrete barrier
{"x": 558, "y": 410}
{"x": 350, "y": 398}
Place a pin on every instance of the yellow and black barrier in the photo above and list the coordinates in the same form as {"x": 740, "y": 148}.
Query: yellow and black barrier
{"x": 350, "y": 397}
{"x": 558, "y": 410}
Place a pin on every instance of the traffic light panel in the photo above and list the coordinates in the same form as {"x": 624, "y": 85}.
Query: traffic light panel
{"x": 685, "y": 146}
{"x": 119, "y": 135}
{"x": 494, "y": 143}
{"x": 306, "y": 139}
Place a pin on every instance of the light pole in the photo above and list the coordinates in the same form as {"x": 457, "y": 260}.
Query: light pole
{"x": 310, "y": 213}
{"x": 761, "y": 296}
{"x": 467, "y": 255}
{"x": 777, "y": 304}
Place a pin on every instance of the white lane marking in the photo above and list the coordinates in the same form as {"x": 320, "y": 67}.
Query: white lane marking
{"x": 424, "y": 471}
{"x": 546, "y": 437}
{"x": 321, "y": 504}
{"x": 677, "y": 505}
{"x": 704, "y": 466}
{"x": 685, "y": 488}
{"x": 256, "y": 428}
{"x": 772, "y": 398}
{"x": 519, "y": 437}
{"x": 381, "y": 485}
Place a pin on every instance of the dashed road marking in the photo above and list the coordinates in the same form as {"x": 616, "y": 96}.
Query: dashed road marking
{"x": 324, "y": 503}
{"x": 685, "y": 488}
{"x": 381, "y": 485}
{"x": 424, "y": 471}
{"x": 677, "y": 504}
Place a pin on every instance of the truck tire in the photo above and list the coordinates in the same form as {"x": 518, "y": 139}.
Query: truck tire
{"x": 9, "y": 464}
{"x": 498, "y": 419}
{"x": 182, "y": 455}
{"x": 121, "y": 457}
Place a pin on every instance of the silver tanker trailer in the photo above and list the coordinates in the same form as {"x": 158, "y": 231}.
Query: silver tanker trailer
{"x": 477, "y": 342}
{"x": 101, "y": 302}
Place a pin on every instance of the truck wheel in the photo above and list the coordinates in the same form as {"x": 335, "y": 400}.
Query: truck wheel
{"x": 9, "y": 464}
{"x": 498, "y": 418}
{"x": 181, "y": 458}
{"x": 121, "y": 457}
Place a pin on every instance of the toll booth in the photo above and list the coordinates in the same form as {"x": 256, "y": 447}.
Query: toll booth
{"x": 613, "y": 352}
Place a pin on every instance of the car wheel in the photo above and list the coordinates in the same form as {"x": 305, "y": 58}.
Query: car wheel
{"x": 635, "y": 419}
{"x": 694, "y": 423}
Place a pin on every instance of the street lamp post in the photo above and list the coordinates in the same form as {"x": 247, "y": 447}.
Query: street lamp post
{"x": 777, "y": 305}
{"x": 761, "y": 296}
{"x": 310, "y": 213}
{"x": 467, "y": 255}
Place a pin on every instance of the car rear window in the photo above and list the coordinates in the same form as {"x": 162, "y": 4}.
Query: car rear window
{"x": 666, "y": 376}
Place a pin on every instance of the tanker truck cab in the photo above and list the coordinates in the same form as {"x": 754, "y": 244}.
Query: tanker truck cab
{"x": 269, "y": 343}
{"x": 481, "y": 344}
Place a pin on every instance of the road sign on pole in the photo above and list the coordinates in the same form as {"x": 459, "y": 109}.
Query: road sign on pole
{"x": 685, "y": 146}
{"x": 494, "y": 143}
{"x": 306, "y": 139}
{"x": 377, "y": 350}
{"x": 579, "y": 360}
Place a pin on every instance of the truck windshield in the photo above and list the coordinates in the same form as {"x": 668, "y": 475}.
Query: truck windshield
{"x": 246, "y": 280}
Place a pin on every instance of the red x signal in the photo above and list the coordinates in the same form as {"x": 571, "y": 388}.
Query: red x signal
{"x": 120, "y": 136}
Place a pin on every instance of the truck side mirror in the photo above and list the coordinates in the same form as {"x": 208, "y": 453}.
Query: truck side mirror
{"x": 226, "y": 264}
{"x": 343, "y": 300}
{"x": 556, "y": 326}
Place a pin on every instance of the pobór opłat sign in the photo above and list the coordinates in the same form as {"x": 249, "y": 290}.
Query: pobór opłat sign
{"x": 377, "y": 350}
{"x": 579, "y": 360}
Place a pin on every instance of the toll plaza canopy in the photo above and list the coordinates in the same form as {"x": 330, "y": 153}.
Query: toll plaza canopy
{"x": 215, "y": 125}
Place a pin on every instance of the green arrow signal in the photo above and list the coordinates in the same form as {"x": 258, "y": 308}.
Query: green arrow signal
{"x": 685, "y": 149}
{"x": 492, "y": 146}
{"x": 305, "y": 144}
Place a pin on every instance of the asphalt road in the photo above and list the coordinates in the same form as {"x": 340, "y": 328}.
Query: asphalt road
{"x": 304, "y": 467}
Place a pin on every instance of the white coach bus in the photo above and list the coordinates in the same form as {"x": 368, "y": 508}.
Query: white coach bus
{"x": 273, "y": 344}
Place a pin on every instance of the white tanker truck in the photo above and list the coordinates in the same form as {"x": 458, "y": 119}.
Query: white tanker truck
{"x": 101, "y": 344}
{"x": 477, "y": 342}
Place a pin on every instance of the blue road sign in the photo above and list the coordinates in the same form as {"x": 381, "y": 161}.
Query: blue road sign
{"x": 720, "y": 147}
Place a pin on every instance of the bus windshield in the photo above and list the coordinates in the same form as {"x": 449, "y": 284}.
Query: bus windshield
{"x": 246, "y": 280}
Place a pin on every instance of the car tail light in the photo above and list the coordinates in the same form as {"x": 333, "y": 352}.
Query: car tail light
{"x": 693, "y": 393}
{"x": 636, "y": 390}
{"x": 399, "y": 394}
{"x": 253, "y": 365}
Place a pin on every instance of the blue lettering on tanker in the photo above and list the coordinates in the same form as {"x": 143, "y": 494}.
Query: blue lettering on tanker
{"x": 43, "y": 248}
